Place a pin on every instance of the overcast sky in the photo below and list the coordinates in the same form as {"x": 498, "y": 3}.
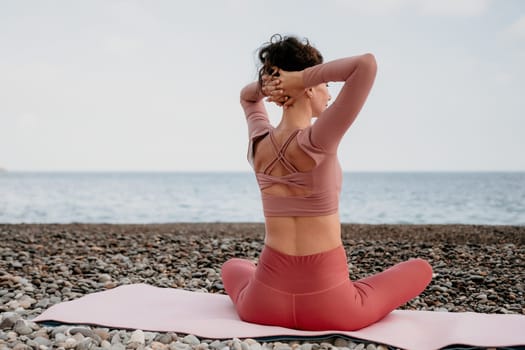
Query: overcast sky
{"x": 154, "y": 85}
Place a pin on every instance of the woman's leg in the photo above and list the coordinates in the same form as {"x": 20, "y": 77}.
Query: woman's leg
{"x": 354, "y": 305}
{"x": 236, "y": 274}
{"x": 387, "y": 290}
{"x": 254, "y": 301}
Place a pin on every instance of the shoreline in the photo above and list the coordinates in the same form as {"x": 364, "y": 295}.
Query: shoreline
{"x": 477, "y": 268}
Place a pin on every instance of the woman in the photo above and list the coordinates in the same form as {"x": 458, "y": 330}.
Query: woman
{"x": 301, "y": 280}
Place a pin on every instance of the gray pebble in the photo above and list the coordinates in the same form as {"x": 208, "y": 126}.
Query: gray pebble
{"x": 86, "y": 332}
{"x": 164, "y": 338}
{"x": 21, "y": 327}
{"x": 26, "y": 301}
{"x": 236, "y": 344}
{"x": 257, "y": 346}
{"x": 341, "y": 342}
{"x": 149, "y": 336}
{"x": 104, "y": 278}
{"x": 217, "y": 345}
{"x": 137, "y": 337}
{"x": 118, "y": 346}
{"x": 179, "y": 346}
{"x": 306, "y": 346}
{"x": 245, "y": 346}
{"x": 8, "y": 320}
{"x": 281, "y": 346}
{"x": 42, "y": 341}
{"x": 59, "y": 329}
{"x": 115, "y": 339}
{"x": 21, "y": 346}
{"x": 155, "y": 345}
{"x": 60, "y": 337}
{"x": 191, "y": 340}
{"x": 70, "y": 343}
{"x": 102, "y": 333}
{"x": 202, "y": 346}
{"x": 85, "y": 344}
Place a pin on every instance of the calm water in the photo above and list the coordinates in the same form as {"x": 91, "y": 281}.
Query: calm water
{"x": 469, "y": 198}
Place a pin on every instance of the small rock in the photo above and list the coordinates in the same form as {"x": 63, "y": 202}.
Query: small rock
{"x": 59, "y": 329}
{"x": 236, "y": 344}
{"x": 21, "y": 327}
{"x": 202, "y": 346}
{"x": 11, "y": 336}
{"x": 482, "y": 296}
{"x": 26, "y": 301}
{"x": 191, "y": 340}
{"x": 118, "y": 346}
{"x": 149, "y": 336}
{"x": 8, "y": 320}
{"x": 60, "y": 337}
{"x": 85, "y": 344}
{"x": 179, "y": 346}
{"x": 217, "y": 345}
{"x": 42, "y": 341}
{"x": 137, "y": 337}
{"x": 163, "y": 338}
{"x": 341, "y": 343}
{"x": 110, "y": 285}
{"x": 306, "y": 346}
{"x": 21, "y": 346}
{"x": 104, "y": 278}
{"x": 86, "y": 332}
{"x": 70, "y": 343}
{"x": 102, "y": 333}
{"x": 245, "y": 346}
{"x": 155, "y": 345}
{"x": 476, "y": 278}
{"x": 115, "y": 339}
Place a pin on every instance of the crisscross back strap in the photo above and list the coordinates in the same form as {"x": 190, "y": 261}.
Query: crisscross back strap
{"x": 280, "y": 154}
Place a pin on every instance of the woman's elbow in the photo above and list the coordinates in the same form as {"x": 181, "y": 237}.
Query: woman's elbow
{"x": 370, "y": 62}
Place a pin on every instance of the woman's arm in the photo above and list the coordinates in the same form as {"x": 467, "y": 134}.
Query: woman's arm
{"x": 358, "y": 73}
{"x": 254, "y": 110}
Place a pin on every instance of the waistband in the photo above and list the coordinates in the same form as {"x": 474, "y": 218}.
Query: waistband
{"x": 302, "y": 273}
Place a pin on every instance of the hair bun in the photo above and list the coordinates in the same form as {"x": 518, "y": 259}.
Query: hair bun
{"x": 288, "y": 53}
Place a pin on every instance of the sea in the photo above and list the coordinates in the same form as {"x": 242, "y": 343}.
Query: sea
{"x": 484, "y": 198}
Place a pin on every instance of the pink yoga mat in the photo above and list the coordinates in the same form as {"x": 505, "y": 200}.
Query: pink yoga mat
{"x": 141, "y": 306}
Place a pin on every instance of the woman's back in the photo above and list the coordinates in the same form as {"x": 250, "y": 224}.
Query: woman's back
{"x": 294, "y": 235}
{"x": 297, "y": 168}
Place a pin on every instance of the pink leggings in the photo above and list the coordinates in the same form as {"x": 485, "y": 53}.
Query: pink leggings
{"x": 314, "y": 292}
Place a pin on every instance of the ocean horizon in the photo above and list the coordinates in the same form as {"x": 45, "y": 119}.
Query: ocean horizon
{"x": 375, "y": 197}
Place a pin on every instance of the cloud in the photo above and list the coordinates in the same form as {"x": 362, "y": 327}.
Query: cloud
{"x": 518, "y": 27}
{"x": 377, "y": 7}
{"x": 455, "y": 8}
{"x": 445, "y": 8}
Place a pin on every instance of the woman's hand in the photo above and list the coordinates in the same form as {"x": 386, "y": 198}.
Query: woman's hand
{"x": 284, "y": 88}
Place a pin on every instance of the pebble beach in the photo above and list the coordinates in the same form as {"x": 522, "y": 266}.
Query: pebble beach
{"x": 476, "y": 268}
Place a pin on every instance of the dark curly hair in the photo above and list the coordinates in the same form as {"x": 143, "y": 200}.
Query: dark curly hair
{"x": 287, "y": 53}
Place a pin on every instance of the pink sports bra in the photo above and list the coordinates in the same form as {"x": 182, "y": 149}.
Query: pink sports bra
{"x": 319, "y": 141}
